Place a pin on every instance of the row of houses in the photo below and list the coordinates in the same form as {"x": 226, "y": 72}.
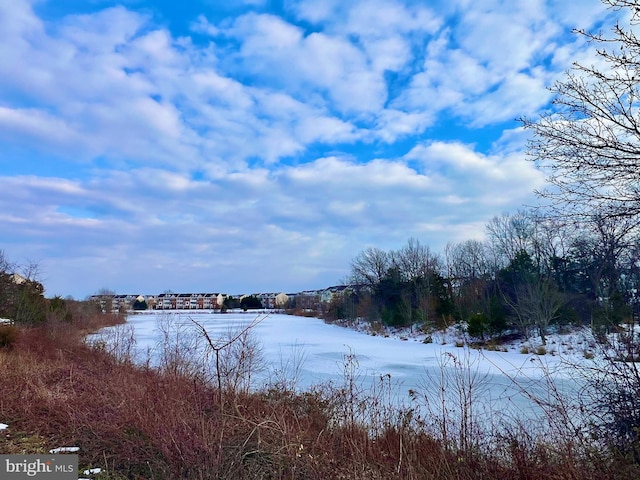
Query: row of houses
{"x": 306, "y": 300}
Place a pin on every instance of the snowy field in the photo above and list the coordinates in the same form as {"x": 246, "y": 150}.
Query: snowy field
{"x": 311, "y": 352}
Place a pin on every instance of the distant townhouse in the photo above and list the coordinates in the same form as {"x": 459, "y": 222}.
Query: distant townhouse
{"x": 151, "y": 301}
{"x": 282, "y": 300}
{"x": 273, "y": 300}
{"x": 328, "y": 294}
{"x": 166, "y": 301}
{"x": 17, "y": 278}
{"x": 189, "y": 301}
{"x": 114, "y": 303}
{"x": 306, "y": 300}
{"x": 268, "y": 300}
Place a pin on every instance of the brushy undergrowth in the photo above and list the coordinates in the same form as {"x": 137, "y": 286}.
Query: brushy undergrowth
{"x": 139, "y": 422}
{"x": 8, "y": 335}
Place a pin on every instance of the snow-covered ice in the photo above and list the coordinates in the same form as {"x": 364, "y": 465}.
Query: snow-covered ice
{"x": 410, "y": 364}
{"x": 324, "y": 346}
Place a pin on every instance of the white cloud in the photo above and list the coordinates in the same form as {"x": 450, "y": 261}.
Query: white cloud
{"x": 116, "y": 86}
{"x": 273, "y": 48}
{"x": 117, "y": 25}
{"x": 480, "y": 181}
{"x": 368, "y": 18}
{"x": 264, "y": 34}
{"x": 316, "y": 11}
{"x": 521, "y": 31}
{"x": 202, "y": 25}
{"x": 267, "y": 152}
{"x": 326, "y": 210}
{"x": 32, "y": 124}
{"x": 495, "y": 63}
{"x": 393, "y": 124}
{"x": 517, "y": 93}
{"x": 111, "y": 86}
{"x": 349, "y": 73}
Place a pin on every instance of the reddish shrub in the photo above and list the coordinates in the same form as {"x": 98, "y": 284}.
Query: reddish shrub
{"x": 8, "y": 335}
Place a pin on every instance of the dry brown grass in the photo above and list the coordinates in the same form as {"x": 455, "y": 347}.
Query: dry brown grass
{"x": 136, "y": 422}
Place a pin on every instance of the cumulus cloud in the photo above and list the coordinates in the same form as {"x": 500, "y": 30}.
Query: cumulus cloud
{"x": 477, "y": 182}
{"x": 113, "y": 85}
{"x": 321, "y": 212}
{"x": 278, "y": 143}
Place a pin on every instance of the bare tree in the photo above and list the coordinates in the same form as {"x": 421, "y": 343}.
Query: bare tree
{"x": 470, "y": 270}
{"x": 537, "y": 303}
{"x": 415, "y": 260}
{"x": 589, "y": 143}
{"x": 551, "y": 244}
{"x": 468, "y": 260}
{"x": 6, "y": 266}
{"x": 612, "y": 394}
{"x": 417, "y": 265}
{"x": 237, "y": 356}
{"x": 21, "y": 293}
{"x": 604, "y": 256}
{"x": 105, "y": 298}
{"x": 370, "y": 266}
{"x": 510, "y": 234}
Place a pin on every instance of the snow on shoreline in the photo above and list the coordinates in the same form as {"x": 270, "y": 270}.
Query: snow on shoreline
{"x": 307, "y": 352}
{"x": 399, "y": 352}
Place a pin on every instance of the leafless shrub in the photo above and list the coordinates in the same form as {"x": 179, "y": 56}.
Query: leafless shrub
{"x": 240, "y": 360}
{"x": 180, "y": 350}
{"x": 285, "y": 377}
{"x": 236, "y": 357}
{"x": 611, "y": 396}
{"x": 452, "y": 402}
{"x": 118, "y": 341}
{"x": 137, "y": 422}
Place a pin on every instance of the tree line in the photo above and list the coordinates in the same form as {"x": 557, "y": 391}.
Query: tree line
{"x": 22, "y": 298}
{"x": 529, "y": 273}
{"x": 575, "y": 258}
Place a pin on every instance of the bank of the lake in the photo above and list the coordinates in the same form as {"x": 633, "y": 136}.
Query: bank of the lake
{"x": 504, "y": 386}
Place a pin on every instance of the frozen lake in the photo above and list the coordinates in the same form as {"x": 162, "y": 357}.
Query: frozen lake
{"x": 314, "y": 353}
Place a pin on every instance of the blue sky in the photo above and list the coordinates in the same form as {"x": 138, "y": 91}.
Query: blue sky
{"x": 248, "y": 146}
